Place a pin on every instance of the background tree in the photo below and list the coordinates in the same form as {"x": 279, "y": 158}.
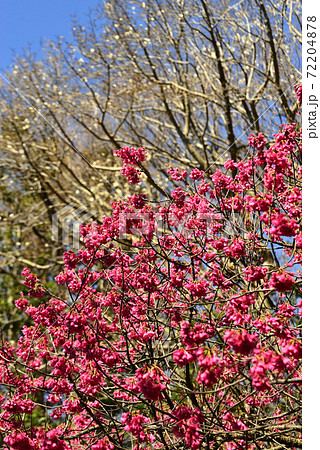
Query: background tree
{"x": 187, "y": 79}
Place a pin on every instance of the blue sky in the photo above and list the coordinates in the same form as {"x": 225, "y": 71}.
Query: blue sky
{"x": 24, "y": 22}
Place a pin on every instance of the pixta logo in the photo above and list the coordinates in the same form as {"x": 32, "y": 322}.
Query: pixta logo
{"x": 66, "y": 224}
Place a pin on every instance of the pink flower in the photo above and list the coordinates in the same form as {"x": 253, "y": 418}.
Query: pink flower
{"x": 183, "y": 357}
{"x": 260, "y": 202}
{"x": 187, "y": 425}
{"x": 241, "y": 342}
{"x": 22, "y": 302}
{"x": 179, "y": 195}
{"x": 193, "y": 336}
{"x": 18, "y": 441}
{"x": 19, "y": 405}
{"x": 65, "y": 276}
{"x": 196, "y": 174}
{"x": 138, "y": 201}
{"x": 32, "y": 282}
{"x": 131, "y": 155}
{"x": 282, "y": 226}
{"x": 237, "y": 248}
{"x": 52, "y": 441}
{"x": 134, "y": 425}
{"x": 281, "y": 281}
{"x": 199, "y": 288}
{"x": 177, "y": 174}
{"x": 233, "y": 423}
{"x": 254, "y": 273}
{"x": 230, "y": 164}
{"x": 203, "y": 188}
{"x": 257, "y": 142}
{"x": 211, "y": 369}
{"x": 298, "y": 90}
{"x": 131, "y": 174}
{"x": 70, "y": 259}
{"x": 150, "y": 382}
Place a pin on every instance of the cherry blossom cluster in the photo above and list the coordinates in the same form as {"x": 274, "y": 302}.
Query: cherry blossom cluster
{"x": 189, "y": 337}
{"x": 131, "y": 157}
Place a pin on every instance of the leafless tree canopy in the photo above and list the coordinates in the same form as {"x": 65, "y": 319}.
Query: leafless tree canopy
{"x": 188, "y": 79}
